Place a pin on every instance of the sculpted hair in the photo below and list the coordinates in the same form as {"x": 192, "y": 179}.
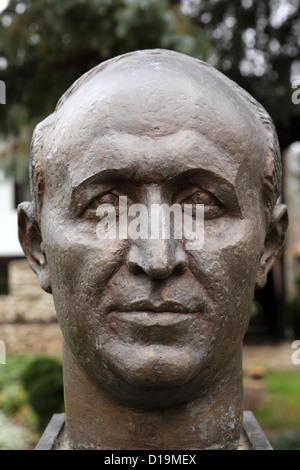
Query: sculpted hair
{"x": 271, "y": 184}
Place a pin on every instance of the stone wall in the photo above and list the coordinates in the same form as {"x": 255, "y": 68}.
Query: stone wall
{"x": 27, "y": 316}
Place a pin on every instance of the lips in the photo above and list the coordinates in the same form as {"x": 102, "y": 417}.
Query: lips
{"x": 169, "y": 306}
{"x": 154, "y": 326}
{"x": 148, "y": 321}
{"x": 152, "y": 319}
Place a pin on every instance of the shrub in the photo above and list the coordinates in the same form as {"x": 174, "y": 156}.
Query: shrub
{"x": 43, "y": 383}
{"x": 286, "y": 441}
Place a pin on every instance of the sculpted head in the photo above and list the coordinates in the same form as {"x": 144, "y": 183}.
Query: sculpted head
{"x": 149, "y": 321}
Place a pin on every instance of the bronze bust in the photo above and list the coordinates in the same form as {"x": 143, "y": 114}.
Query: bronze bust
{"x": 153, "y": 331}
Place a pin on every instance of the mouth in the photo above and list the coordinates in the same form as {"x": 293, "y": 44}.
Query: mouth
{"x": 147, "y": 322}
{"x": 154, "y": 319}
{"x": 168, "y": 307}
{"x": 156, "y": 325}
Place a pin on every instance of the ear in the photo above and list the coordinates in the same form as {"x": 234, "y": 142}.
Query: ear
{"x": 273, "y": 243}
{"x": 32, "y": 243}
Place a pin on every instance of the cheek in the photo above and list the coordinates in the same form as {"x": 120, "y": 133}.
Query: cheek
{"x": 227, "y": 267}
{"x": 233, "y": 248}
{"x": 80, "y": 267}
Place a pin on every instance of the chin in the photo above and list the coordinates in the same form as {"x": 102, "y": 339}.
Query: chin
{"x": 154, "y": 376}
{"x": 156, "y": 365}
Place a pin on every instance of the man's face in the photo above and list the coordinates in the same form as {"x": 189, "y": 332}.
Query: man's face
{"x": 147, "y": 319}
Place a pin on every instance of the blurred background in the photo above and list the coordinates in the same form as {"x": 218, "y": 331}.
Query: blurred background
{"x": 45, "y": 45}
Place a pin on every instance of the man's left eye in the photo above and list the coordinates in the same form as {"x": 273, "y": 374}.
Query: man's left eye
{"x": 212, "y": 206}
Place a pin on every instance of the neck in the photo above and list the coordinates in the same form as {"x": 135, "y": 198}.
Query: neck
{"x": 95, "y": 420}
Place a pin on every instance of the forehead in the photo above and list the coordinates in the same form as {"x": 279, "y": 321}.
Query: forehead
{"x": 160, "y": 114}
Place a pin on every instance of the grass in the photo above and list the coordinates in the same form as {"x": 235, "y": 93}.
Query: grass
{"x": 280, "y": 417}
{"x": 20, "y": 422}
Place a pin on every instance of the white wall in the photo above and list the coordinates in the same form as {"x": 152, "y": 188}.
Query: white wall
{"x": 9, "y": 243}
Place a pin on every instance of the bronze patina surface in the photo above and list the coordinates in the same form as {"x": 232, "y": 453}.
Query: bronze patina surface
{"x": 153, "y": 331}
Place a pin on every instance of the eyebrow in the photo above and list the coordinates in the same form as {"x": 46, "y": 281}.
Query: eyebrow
{"x": 214, "y": 183}
{"x": 101, "y": 182}
{"x": 107, "y": 179}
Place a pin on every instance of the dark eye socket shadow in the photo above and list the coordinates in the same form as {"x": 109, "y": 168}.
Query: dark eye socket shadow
{"x": 110, "y": 180}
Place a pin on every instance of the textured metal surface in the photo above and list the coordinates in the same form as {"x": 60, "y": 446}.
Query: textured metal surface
{"x": 252, "y": 437}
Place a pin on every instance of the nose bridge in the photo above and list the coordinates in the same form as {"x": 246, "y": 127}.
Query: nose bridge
{"x": 158, "y": 255}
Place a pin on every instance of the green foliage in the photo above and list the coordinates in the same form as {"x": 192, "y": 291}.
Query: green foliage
{"x": 256, "y": 43}
{"x": 18, "y": 423}
{"x": 286, "y": 441}
{"x": 31, "y": 390}
{"x": 282, "y": 410}
{"x": 45, "y": 45}
{"x": 13, "y": 398}
{"x": 43, "y": 383}
{"x": 13, "y": 369}
{"x": 37, "y": 381}
{"x": 49, "y": 44}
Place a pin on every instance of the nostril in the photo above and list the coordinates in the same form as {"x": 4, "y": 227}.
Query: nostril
{"x": 134, "y": 268}
{"x": 156, "y": 273}
{"x": 156, "y": 260}
{"x": 180, "y": 268}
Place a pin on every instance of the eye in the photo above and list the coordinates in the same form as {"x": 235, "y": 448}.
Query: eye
{"x": 212, "y": 206}
{"x": 108, "y": 198}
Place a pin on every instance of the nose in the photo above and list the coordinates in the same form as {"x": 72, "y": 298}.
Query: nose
{"x": 158, "y": 259}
